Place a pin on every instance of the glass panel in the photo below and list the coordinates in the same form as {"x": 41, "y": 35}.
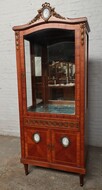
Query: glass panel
{"x": 38, "y": 70}
{"x": 28, "y": 73}
{"x": 52, "y": 80}
{"x": 38, "y": 74}
{"x": 61, "y": 74}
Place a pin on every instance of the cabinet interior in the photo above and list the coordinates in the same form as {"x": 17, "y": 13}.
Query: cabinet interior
{"x": 50, "y": 71}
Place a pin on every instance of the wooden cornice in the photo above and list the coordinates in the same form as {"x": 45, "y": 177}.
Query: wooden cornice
{"x": 54, "y": 17}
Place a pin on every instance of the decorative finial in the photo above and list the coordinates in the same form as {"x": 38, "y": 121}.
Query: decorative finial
{"x": 45, "y": 13}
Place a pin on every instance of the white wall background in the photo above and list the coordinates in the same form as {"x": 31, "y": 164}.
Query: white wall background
{"x": 16, "y": 12}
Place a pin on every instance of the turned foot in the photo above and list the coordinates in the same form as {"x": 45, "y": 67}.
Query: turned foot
{"x": 81, "y": 179}
{"x": 26, "y": 169}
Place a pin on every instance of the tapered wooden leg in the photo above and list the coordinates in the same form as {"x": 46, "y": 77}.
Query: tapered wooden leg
{"x": 26, "y": 169}
{"x": 81, "y": 179}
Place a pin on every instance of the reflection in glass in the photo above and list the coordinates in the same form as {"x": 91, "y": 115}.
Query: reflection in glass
{"x": 28, "y": 73}
{"x": 37, "y": 74}
{"x": 50, "y": 77}
{"x": 61, "y": 74}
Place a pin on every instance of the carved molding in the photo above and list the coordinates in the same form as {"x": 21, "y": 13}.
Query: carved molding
{"x": 40, "y": 12}
{"x": 82, "y": 31}
{"x": 33, "y": 122}
{"x": 17, "y": 40}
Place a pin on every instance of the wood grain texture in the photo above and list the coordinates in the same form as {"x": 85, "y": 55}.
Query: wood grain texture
{"x": 51, "y": 127}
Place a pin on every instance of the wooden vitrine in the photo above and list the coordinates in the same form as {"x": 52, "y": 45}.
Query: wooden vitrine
{"x": 52, "y": 69}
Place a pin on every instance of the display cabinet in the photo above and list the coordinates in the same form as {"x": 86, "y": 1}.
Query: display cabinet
{"x": 52, "y": 68}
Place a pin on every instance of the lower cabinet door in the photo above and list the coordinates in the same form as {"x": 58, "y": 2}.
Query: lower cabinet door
{"x": 66, "y": 147}
{"x": 53, "y": 146}
{"x": 37, "y": 142}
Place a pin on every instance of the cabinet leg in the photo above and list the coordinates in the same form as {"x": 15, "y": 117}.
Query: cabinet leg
{"x": 81, "y": 179}
{"x": 26, "y": 169}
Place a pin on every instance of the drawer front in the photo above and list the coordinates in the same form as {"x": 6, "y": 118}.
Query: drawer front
{"x": 36, "y": 144}
{"x": 66, "y": 148}
{"x": 71, "y": 124}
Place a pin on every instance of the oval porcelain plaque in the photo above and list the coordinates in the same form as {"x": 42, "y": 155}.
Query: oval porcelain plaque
{"x": 65, "y": 141}
{"x": 36, "y": 137}
{"x": 46, "y": 13}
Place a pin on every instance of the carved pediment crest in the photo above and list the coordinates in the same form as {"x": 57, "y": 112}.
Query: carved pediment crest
{"x": 45, "y": 13}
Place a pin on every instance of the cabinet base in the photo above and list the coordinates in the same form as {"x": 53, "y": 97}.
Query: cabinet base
{"x": 81, "y": 175}
{"x": 81, "y": 180}
{"x": 26, "y": 169}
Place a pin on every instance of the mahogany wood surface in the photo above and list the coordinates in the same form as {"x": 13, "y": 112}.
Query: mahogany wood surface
{"x": 52, "y": 127}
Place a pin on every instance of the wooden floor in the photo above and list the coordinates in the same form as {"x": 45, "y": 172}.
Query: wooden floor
{"x": 12, "y": 176}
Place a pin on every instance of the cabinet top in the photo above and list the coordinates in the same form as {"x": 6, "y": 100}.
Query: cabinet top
{"x": 47, "y": 14}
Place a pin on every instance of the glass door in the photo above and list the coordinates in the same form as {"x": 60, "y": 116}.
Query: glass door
{"x": 50, "y": 71}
